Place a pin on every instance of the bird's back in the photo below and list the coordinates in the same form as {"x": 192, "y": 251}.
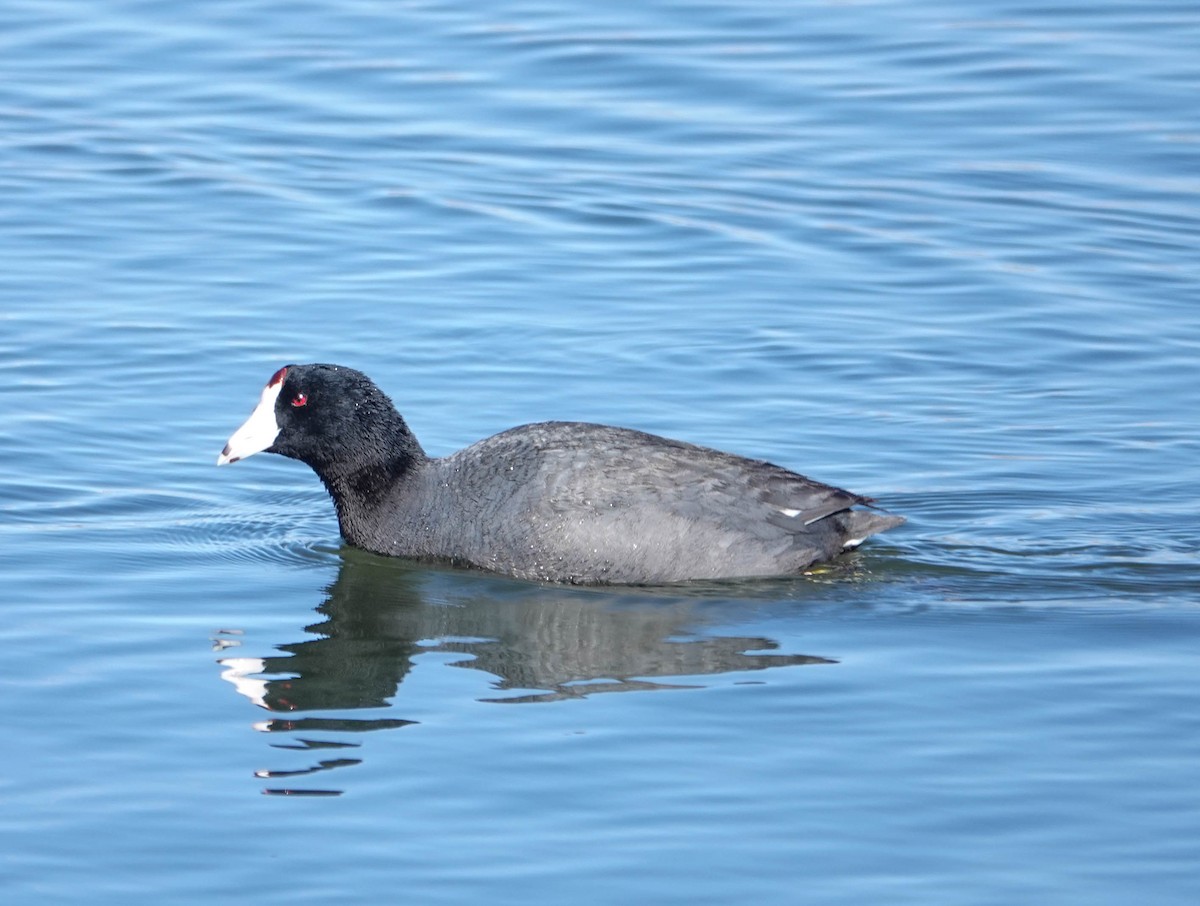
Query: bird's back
{"x": 570, "y": 501}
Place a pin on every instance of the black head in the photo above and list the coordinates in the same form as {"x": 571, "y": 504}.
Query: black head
{"x": 333, "y": 418}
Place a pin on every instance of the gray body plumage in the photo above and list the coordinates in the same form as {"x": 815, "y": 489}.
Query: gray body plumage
{"x": 582, "y": 503}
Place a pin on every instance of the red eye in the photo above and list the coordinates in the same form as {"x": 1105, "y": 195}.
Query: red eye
{"x": 299, "y": 400}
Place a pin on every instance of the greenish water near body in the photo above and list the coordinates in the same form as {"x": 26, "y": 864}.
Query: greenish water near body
{"x": 944, "y": 258}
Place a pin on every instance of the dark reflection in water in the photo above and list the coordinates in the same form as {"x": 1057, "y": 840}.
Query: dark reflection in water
{"x": 540, "y": 644}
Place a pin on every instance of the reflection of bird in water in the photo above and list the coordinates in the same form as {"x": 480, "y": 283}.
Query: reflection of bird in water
{"x": 572, "y": 647}
{"x": 541, "y": 643}
{"x": 562, "y": 642}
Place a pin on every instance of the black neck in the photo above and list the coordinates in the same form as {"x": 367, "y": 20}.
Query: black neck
{"x": 366, "y": 481}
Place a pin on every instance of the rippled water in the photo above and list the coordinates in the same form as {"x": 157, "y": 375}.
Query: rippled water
{"x": 942, "y": 255}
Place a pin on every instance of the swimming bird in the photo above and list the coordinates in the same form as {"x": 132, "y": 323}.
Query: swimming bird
{"x": 554, "y": 501}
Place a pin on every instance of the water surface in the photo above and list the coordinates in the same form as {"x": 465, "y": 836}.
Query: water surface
{"x": 944, "y": 257}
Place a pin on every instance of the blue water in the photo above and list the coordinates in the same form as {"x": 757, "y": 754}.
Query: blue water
{"x": 941, "y": 254}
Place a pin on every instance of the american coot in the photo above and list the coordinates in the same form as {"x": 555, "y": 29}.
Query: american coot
{"x": 555, "y": 501}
